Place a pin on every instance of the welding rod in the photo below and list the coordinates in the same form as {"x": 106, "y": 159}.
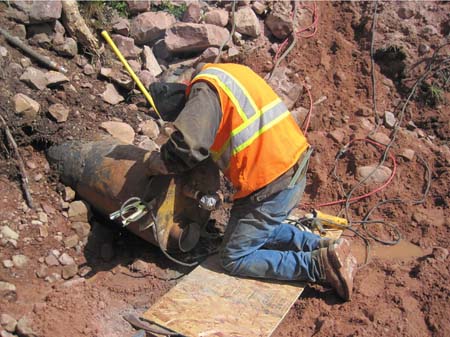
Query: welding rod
{"x": 130, "y": 71}
{"x": 43, "y": 59}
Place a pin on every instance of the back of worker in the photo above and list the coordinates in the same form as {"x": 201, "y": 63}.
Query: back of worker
{"x": 257, "y": 139}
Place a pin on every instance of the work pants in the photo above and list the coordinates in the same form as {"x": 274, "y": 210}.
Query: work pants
{"x": 258, "y": 244}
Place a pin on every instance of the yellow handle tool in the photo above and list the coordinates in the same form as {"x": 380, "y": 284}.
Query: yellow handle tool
{"x": 130, "y": 71}
{"x": 330, "y": 220}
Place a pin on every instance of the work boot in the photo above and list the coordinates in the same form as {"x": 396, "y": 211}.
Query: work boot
{"x": 338, "y": 267}
{"x": 326, "y": 242}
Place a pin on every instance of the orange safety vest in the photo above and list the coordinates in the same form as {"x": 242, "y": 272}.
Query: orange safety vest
{"x": 258, "y": 139}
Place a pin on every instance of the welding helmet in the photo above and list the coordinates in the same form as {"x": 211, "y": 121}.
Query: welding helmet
{"x": 169, "y": 99}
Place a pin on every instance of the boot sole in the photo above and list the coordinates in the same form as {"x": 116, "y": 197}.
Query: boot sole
{"x": 345, "y": 266}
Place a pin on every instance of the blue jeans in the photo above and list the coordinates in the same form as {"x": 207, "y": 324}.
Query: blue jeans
{"x": 258, "y": 244}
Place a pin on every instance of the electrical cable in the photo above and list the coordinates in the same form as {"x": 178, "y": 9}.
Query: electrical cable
{"x": 233, "y": 28}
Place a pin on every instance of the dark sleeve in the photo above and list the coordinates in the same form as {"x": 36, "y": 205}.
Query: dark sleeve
{"x": 195, "y": 130}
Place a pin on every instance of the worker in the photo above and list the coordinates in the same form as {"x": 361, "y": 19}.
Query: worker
{"x": 229, "y": 113}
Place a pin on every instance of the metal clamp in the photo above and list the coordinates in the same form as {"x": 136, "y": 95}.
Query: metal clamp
{"x": 134, "y": 208}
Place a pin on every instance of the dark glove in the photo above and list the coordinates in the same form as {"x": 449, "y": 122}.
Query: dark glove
{"x": 156, "y": 165}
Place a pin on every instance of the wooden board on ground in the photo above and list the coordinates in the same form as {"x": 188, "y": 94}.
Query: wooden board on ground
{"x": 208, "y": 303}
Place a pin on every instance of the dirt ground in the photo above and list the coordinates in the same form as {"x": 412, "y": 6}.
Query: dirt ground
{"x": 402, "y": 291}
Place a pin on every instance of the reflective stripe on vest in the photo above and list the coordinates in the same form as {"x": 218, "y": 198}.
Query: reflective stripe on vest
{"x": 255, "y": 121}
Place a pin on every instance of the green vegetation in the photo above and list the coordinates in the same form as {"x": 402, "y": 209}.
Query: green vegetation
{"x": 168, "y": 6}
{"x": 431, "y": 94}
{"x": 120, "y": 6}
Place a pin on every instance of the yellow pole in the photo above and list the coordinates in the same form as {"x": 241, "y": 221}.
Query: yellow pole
{"x": 130, "y": 71}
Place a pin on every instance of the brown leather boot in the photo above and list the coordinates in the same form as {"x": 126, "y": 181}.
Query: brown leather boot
{"x": 339, "y": 267}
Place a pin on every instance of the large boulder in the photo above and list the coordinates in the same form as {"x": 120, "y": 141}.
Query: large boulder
{"x": 150, "y": 26}
{"x": 218, "y": 17}
{"x": 279, "y": 20}
{"x": 150, "y": 62}
{"x": 193, "y": 37}
{"x": 247, "y": 22}
{"x": 193, "y": 13}
{"x": 40, "y": 11}
{"x": 138, "y": 6}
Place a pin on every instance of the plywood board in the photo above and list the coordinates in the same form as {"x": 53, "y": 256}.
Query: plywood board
{"x": 209, "y": 303}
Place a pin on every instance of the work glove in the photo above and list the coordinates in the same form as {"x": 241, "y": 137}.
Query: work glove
{"x": 210, "y": 202}
{"x": 155, "y": 165}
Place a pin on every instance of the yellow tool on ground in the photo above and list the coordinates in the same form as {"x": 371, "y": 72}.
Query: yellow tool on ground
{"x": 130, "y": 71}
{"x": 319, "y": 220}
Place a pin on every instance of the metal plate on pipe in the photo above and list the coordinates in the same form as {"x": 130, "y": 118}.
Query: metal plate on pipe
{"x": 208, "y": 303}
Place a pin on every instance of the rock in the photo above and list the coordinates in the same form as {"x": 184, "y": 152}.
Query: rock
{"x": 193, "y": 13}
{"x": 119, "y": 130}
{"x": 24, "y": 329}
{"x": 59, "y": 112}
{"x": 208, "y": 55}
{"x": 20, "y": 260}
{"x": 279, "y": 20}
{"x": 19, "y": 31}
{"x": 150, "y": 129}
{"x": 82, "y": 229}
{"x": 151, "y": 26}
{"x": 8, "y": 322}
{"x": 389, "y": 120}
{"x": 411, "y": 126}
{"x": 259, "y": 8}
{"x": 111, "y": 95}
{"x": 138, "y": 6}
{"x": 380, "y": 137}
{"x": 160, "y": 50}
{"x": 42, "y": 272}
{"x": 59, "y": 28}
{"x": 79, "y": 211}
{"x": 380, "y": 176}
{"x": 45, "y": 11}
{"x": 34, "y": 78}
{"x": 424, "y": 49}
{"x": 65, "y": 259}
{"x": 4, "y": 333}
{"x": 146, "y": 78}
{"x": 247, "y": 22}
{"x": 122, "y": 27}
{"x": 107, "y": 252}
{"x": 440, "y": 253}
{"x": 429, "y": 30}
{"x": 41, "y": 40}
{"x": 59, "y": 39}
{"x": 148, "y": 144}
{"x": 288, "y": 90}
{"x": 8, "y": 263}
{"x": 408, "y": 154}
{"x": 337, "y": 135}
{"x": 8, "y": 233}
{"x": 51, "y": 260}
{"x": 150, "y": 62}
{"x": 15, "y": 68}
{"x": 43, "y": 217}
{"x": 139, "y": 266}
{"x": 193, "y": 37}
{"x": 126, "y": 46}
{"x": 25, "y": 62}
{"x": 68, "y": 48}
{"x": 69, "y": 271}
{"x": 53, "y": 277}
{"x": 232, "y": 52}
{"x": 7, "y": 290}
{"x": 420, "y": 133}
{"x": 135, "y": 65}
{"x": 405, "y": 13}
{"x": 88, "y": 69}
{"x": 71, "y": 241}
{"x": 26, "y": 106}
{"x": 55, "y": 78}
{"x": 115, "y": 75}
{"x": 364, "y": 112}
{"x": 68, "y": 193}
{"x": 218, "y": 17}
{"x": 17, "y": 15}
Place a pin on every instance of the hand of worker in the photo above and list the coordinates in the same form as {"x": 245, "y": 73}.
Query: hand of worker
{"x": 210, "y": 201}
{"x": 156, "y": 165}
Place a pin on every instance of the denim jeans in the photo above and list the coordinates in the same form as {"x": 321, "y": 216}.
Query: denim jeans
{"x": 258, "y": 244}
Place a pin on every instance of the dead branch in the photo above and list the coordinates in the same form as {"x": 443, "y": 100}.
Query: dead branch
{"x": 23, "y": 173}
{"x": 76, "y": 26}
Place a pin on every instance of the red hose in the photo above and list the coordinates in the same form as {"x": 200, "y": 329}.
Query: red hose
{"x": 340, "y": 201}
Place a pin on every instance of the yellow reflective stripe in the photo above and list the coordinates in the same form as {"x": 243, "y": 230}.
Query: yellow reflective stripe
{"x": 227, "y": 91}
{"x": 260, "y": 131}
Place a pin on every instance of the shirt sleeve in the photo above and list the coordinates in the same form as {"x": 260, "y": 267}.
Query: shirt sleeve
{"x": 195, "y": 130}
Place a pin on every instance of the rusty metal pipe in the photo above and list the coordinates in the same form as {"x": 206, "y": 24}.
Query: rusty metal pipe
{"x": 107, "y": 173}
